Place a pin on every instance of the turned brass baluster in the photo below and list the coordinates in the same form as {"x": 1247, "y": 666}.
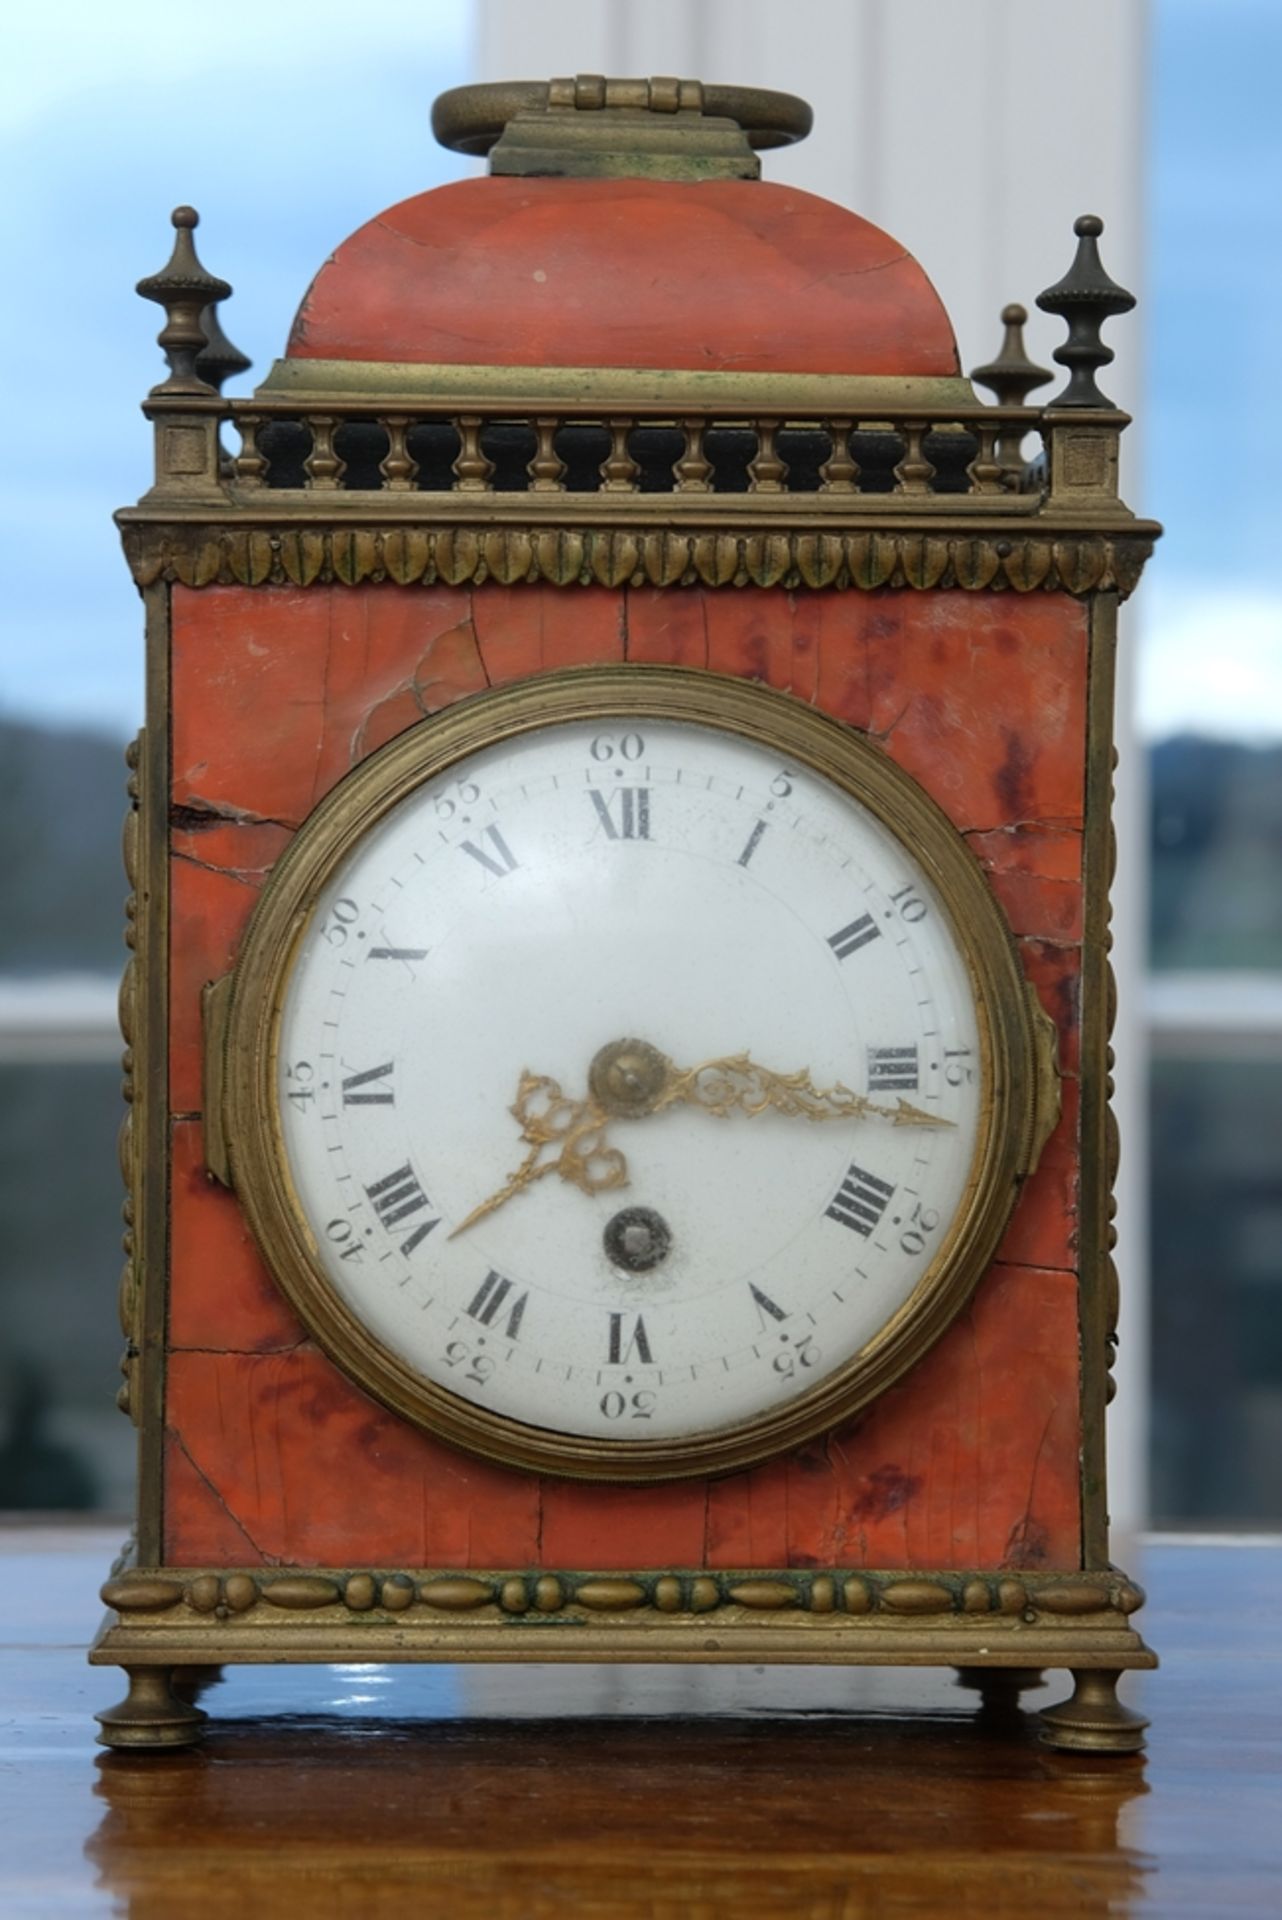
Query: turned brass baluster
{"x": 619, "y": 471}
{"x": 547, "y": 470}
{"x": 398, "y": 468}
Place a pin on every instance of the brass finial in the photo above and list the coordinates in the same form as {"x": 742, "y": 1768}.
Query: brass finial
{"x": 1012, "y": 375}
{"x": 218, "y": 360}
{"x": 184, "y": 289}
{"x": 1085, "y": 298}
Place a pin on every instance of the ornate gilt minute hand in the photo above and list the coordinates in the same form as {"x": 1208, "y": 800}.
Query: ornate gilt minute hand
{"x": 629, "y": 1079}
{"x": 736, "y": 1083}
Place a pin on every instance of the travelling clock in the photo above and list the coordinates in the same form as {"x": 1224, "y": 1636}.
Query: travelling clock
{"x": 618, "y": 1004}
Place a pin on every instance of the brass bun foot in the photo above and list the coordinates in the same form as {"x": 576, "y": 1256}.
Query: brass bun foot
{"x": 151, "y": 1715}
{"x": 1094, "y": 1719}
{"x": 1000, "y": 1686}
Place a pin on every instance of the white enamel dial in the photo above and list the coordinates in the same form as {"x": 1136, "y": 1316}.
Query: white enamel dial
{"x": 748, "y": 1228}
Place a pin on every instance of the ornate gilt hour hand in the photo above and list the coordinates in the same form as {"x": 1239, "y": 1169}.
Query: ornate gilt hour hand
{"x": 629, "y": 1079}
{"x": 574, "y": 1128}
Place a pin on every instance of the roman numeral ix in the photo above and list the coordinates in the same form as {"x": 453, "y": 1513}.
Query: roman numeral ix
{"x": 398, "y": 1197}
{"x": 369, "y": 1089}
{"x": 860, "y": 1201}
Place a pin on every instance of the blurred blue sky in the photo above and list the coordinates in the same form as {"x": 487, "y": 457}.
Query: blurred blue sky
{"x": 289, "y": 124}
{"x": 1211, "y": 606}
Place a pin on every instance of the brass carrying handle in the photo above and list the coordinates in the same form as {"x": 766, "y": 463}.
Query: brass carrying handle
{"x": 472, "y": 119}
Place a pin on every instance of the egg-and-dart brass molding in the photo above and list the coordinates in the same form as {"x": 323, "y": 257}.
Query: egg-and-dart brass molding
{"x": 208, "y": 554}
{"x": 1015, "y": 1062}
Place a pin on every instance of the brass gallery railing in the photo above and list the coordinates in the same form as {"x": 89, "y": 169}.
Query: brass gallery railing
{"x": 353, "y": 470}
{"x": 321, "y": 437}
{"x": 916, "y": 454}
{"x": 347, "y": 487}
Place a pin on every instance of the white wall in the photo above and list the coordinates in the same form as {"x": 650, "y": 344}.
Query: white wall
{"x": 975, "y": 131}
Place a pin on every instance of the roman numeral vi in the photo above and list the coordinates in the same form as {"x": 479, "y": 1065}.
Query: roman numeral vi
{"x": 624, "y": 1346}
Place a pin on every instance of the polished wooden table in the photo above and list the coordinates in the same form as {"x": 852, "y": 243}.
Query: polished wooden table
{"x": 609, "y": 1793}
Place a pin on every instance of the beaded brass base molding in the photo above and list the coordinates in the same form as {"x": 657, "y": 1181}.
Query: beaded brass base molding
{"x": 574, "y": 1596}
{"x": 211, "y": 555}
{"x": 180, "y": 1621}
{"x": 304, "y": 1614}
{"x": 1000, "y": 1629}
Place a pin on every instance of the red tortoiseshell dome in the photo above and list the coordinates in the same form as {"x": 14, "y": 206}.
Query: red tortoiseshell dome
{"x": 720, "y": 275}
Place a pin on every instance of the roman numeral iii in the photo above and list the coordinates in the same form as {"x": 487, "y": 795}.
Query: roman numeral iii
{"x": 398, "y": 1197}
{"x": 891, "y": 1068}
{"x": 860, "y": 1201}
{"x": 634, "y": 812}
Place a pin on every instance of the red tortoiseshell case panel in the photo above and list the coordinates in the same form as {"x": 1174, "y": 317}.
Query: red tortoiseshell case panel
{"x": 271, "y": 1454}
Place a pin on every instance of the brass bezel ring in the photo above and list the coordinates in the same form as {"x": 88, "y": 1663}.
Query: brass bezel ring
{"x": 1005, "y": 1145}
